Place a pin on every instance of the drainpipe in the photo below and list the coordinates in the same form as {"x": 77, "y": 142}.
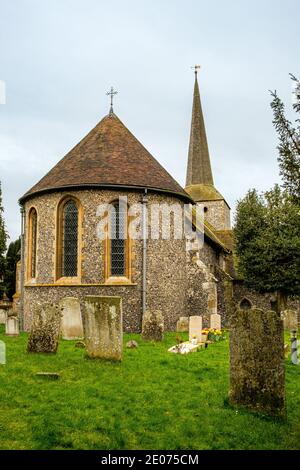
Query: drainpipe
{"x": 22, "y": 268}
{"x": 145, "y": 236}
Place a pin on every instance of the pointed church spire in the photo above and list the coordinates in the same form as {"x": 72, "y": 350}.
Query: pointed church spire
{"x": 199, "y": 168}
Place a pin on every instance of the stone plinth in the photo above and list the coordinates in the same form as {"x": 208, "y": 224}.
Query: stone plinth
{"x": 103, "y": 327}
{"x": 257, "y": 361}
{"x": 71, "y": 322}
{"x": 195, "y": 328}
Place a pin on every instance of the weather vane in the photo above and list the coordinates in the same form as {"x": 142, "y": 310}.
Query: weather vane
{"x": 111, "y": 93}
{"x": 196, "y": 68}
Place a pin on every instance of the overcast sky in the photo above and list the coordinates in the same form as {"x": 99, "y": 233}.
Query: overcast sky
{"x": 59, "y": 57}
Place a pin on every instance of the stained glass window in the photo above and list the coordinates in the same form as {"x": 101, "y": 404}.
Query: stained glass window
{"x": 33, "y": 243}
{"x": 70, "y": 239}
{"x": 118, "y": 240}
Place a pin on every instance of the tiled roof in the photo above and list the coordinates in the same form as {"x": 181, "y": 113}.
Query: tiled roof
{"x": 108, "y": 156}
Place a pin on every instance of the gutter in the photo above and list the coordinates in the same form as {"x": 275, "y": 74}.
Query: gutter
{"x": 22, "y": 268}
{"x": 145, "y": 237}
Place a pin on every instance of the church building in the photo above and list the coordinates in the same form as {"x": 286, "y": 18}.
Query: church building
{"x": 63, "y": 255}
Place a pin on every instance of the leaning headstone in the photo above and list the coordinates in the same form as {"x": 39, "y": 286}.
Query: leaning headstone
{"x": 71, "y": 321}
{"x": 153, "y": 325}
{"x": 290, "y": 320}
{"x": 182, "y": 325}
{"x": 12, "y": 324}
{"x": 103, "y": 327}
{"x": 45, "y": 330}
{"x": 195, "y": 329}
{"x": 257, "y": 361}
{"x": 215, "y": 321}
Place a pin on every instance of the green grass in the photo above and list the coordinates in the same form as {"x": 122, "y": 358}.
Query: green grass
{"x": 152, "y": 400}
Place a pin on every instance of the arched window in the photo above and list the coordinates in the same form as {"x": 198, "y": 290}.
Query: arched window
{"x": 118, "y": 240}
{"x": 67, "y": 249}
{"x": 32, "y": 245}
{"x": 117, "y": 267}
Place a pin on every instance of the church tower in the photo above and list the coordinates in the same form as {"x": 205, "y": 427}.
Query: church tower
{"x": 199, "y": 178}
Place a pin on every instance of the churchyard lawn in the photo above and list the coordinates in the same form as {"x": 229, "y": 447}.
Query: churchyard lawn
{"x": 152, "y": 400}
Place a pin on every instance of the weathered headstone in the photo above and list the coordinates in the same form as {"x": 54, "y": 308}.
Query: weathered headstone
{"x": 195, "y": 329}
{"x": 257, "y": 361}
{"x": 71, "y": 321}
{"x": 182, "y": 325}
{"x": 215, "y": 321}
{"x": 290, "y": 320}
{"x": 2, "y": 316}
{"x": 153, "y": 325}
{"x": 103, "y": 327}
{"x": 45, "y": 329}
{"x": 12, "y": 324}
{"x": 294, "y": 348}
{"x": 2, "y": 353}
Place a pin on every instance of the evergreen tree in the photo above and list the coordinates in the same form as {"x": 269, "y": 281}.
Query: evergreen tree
{"x": 289, "y": 142}
{"x": 12, "y": 258}
{"x": 3, "y": 240}
{"x": 267, "y": 232}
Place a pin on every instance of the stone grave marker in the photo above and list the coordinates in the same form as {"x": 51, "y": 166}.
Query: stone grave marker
{"x": 182, "y": 325}
{"x": 2, "y": 316}
{"x": 45, "y": 329}
{"x": 12, "y": 324}
{"x": 103, "y": 327}
{"x": 2, "y": 353}
{"x": 257, "y": 361}
{"x": 215, "y": 321}
{"x": 153, "y": 325}
{"x": 195, "y": 328}
{"x": 71, "y": 321}
{"x": 290, "y": 320}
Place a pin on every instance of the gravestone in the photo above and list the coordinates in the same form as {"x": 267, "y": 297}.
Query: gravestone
{"x": 12, "y": 324}
{"x": 153, "y": 325}
{"x": 2, "y": 353}
{"x": 2, "y": 316}
{"x": 182, "y": 325}
{"x": 257, "y": 361}
{"x": 103, "y": 327}
{"x": 290, "y": 320}
{"x": 71, "y": 321}
{"x": 195, "y": 328}
{"x": 45, "y": 329}
{"x": 215, "y": 321}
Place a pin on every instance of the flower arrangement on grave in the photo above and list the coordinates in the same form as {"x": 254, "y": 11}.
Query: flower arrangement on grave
{"x": 213, "y": 334}
{"x": 194, "y": 339}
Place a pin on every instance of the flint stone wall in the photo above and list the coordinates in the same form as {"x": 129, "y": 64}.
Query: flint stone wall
{"x": 166, "y": 263}
{"x": 257, "y": 361}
